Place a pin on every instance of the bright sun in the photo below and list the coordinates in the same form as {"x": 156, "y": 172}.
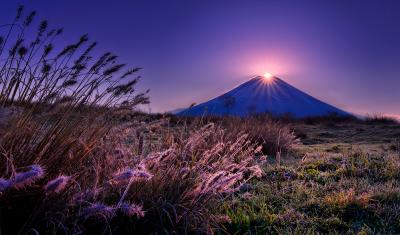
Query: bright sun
{"x": 268, "y": 76}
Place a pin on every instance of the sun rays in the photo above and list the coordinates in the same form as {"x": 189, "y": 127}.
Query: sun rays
{"x": 268, "y": 76}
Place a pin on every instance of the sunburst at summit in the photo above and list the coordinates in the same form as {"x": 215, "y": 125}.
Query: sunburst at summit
{"x": 259, "y": 95}
{"x": 268, "y": 76}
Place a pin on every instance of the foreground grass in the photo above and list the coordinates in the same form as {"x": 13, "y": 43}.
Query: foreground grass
{"x": 342, "y": 177}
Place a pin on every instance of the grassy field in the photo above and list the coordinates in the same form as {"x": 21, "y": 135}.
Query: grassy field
{"x": 221, "y": 175}
{"x": 342, "y": 178}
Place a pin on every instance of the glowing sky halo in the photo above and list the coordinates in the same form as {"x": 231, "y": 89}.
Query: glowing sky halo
{"x": 268, "y": 76}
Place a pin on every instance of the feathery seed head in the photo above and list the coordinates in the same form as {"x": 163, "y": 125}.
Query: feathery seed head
{"x": 226, "y": 184}
{"x": 69, "y": 82}
{"x": 47, "y": 49}
{"x": 19, "y": 12}
{"x": 258, "y": 149}
{"x": 27, "y": 178}
{"x": 22, "y": 51}
{"x": 113, "y": 69}
{"x": 42, "y": 27}
{"x": 122, "y": 176}
{"x": 46, "y": 68}
{"x": 59, "y": 31}
{"x": 14, "y": 48}
{"x": 29, "y": 18}
{"x": 132, "y": 210}
{"x": 99, "y": 209}
{"x": 129, "y": 72}
{"x": 4, "y": 185}
{"x": 142, "y": 175}
{"x": 56, "y": 185}
{"x": 129, "y": 174}
{"x": 256, "y": 171}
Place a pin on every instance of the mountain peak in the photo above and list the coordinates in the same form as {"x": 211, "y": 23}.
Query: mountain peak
{"x": 264, "y": 95}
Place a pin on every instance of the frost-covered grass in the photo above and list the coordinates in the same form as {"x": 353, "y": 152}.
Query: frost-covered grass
{"x": 338, "y": 183}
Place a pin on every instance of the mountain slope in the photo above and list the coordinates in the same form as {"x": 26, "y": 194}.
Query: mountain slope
{"x": 260, "y": 96}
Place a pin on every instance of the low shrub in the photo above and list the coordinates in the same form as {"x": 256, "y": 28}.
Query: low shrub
{"x": 273, "y": 135}
{"x": 377, "y": 118}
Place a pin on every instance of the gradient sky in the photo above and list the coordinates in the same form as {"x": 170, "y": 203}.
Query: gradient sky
{"x": 346, "y": 53}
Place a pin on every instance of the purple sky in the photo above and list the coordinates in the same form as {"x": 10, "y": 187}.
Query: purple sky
{"x": 346, "y": 53}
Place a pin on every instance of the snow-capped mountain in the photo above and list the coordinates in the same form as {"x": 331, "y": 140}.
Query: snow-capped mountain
{"x": 259, "y": 95}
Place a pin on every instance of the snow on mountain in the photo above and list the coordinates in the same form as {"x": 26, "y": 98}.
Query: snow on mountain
{"x": 258, "y": 96}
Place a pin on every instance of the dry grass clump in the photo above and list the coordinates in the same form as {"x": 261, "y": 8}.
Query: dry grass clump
{"x": 274, "y": 135}
{"x": 112, "y": 188}
{"x": 380, "y": 118}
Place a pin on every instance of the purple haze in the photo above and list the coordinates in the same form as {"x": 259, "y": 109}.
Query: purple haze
{"x": 346, "y": 53}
